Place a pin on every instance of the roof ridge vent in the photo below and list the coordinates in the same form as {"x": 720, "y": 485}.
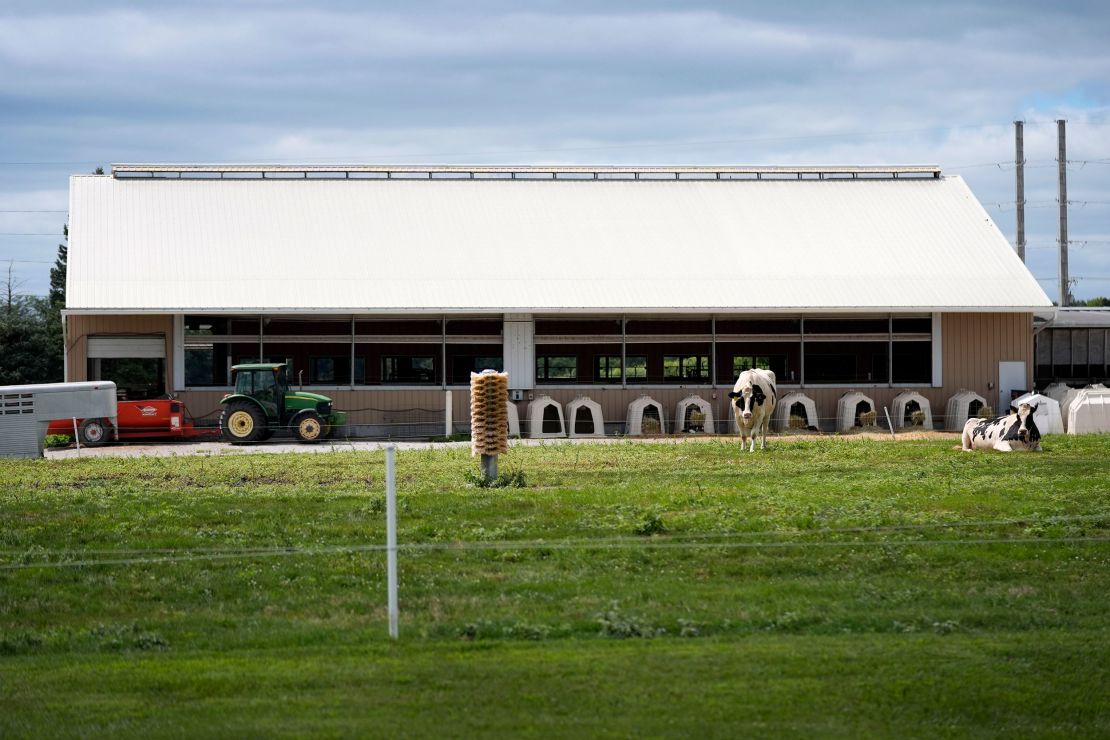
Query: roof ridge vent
{"x": 522, "y": 172}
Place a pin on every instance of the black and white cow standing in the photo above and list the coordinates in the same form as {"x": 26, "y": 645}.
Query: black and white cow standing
{"x": 1014, "y": 432}
{"x": 753, "y": 402}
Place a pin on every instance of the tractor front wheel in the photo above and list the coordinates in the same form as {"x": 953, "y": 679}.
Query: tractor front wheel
{"x": 308, "y": 426}
{"x": 242, "y": 422}
{"x": 93, "y": 432}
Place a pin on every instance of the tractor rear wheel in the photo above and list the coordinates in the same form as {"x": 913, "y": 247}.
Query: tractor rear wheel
{"x": 308, "y": 426}
{"x": 242, "y": 422}
{"x": 93, "y": 432}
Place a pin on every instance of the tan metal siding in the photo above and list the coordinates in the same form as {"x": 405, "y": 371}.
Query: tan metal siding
{"x": 80, "y": 327}
{"x": 972, "y": 346}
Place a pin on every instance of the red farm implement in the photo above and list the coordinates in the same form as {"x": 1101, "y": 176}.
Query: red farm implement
{"x": 161, "y": 418}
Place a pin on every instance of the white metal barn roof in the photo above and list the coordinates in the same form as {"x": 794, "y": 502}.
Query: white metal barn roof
{"x": 397, "y": 239}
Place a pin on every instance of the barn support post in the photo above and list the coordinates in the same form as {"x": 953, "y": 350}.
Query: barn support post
{"x": 624, "y": 353}
{"x": 443, "y": 351}
{"x": 447, "y": 424}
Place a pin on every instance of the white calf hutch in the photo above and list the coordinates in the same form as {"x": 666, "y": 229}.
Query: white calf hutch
{"x": 903, "y": 406}
{"x": 1089, "y": 412}
{"x": 686, "y": 419}
{"x": 514, "y": 419}
{"x": 584, "y": 418}
{"x": 961, "y": 407}
{"x": 849, "y": 408}
{"x": 645, "y": 408}
{"x": 545, "y": 419}
{"x": 1071, "y": 395}
{"x": 1047, "y": 416}
{"x": 796, "y": 404}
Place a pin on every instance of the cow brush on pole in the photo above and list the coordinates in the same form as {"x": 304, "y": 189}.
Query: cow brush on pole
{"x": 489, "y": 419}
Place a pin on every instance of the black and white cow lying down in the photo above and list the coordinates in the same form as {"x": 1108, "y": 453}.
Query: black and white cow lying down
{"x": 753, "y": 402}
{"x": 1014, "y": 432}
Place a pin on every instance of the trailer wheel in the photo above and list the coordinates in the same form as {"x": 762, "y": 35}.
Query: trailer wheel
{"x": 242, "y": 422}
{"x": 308, "y": 426}
{"x": 93, "y": 432}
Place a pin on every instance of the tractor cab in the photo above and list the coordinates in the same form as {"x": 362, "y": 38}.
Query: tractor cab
{"x": 264, "y": 383}
{"x": 263, "y": 403}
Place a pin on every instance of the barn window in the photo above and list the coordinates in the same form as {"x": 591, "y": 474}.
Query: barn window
{"x": 607, "y": 368}
{"x": 677, "y": 368}
{"x": 408, "y": 370}
{"x": 913, "y": 361}
{"x": 335, "y": 370}
{"x": 635, "y": 368}
{"x": 740, "y": 363}
{"x": 846, "y": 362}
{"x": 556, "y": 368}
{"x": 321, "y": 369}
{"x": 212, "y": 344}
{"x": 462, "y": 365}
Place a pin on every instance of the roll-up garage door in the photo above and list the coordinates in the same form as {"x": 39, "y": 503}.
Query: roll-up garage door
{"x": 127, "y": 347}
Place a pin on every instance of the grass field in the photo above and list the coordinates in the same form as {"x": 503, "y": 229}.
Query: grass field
{"x": 831, "y": 587}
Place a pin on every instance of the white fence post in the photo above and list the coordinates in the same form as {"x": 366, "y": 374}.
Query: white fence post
{"x": 391, "y": 535}
{"x": 76, "y": 437}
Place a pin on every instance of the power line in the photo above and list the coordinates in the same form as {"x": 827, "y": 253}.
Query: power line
{"x": 638, "y": 145}
{"x": 1098, "y": 278}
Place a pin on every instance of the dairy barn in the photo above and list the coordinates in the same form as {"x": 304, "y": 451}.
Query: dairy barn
{"x": 643, "y": 288}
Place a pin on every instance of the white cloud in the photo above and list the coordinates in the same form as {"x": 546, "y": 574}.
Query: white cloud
{"x": 622, "y": 82}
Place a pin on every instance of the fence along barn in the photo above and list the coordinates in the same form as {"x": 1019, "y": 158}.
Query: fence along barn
{"x": 386, "y": 286}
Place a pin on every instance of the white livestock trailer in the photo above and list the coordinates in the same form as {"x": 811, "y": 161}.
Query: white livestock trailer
{"x": 27, "y": 410}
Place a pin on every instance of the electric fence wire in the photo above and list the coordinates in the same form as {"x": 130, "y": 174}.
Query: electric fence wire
{"x": 580, "y": 545}
{"x": 1025, "y": 522}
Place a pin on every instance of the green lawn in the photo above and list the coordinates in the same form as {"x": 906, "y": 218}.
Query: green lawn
{"x": 833, "y": 587}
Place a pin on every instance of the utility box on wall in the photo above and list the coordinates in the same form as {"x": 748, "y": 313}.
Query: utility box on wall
{"x": 27, "y": 410}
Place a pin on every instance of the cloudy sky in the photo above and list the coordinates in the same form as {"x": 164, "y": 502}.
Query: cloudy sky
{"x": 85, "y": 84}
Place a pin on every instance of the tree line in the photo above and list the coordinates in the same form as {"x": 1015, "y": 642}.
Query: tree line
{"x": 31, "y": 327}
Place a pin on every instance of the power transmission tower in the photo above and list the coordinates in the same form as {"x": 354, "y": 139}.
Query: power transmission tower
{"x": 1062, "y": 198}
{"x": 1019, "y": 196}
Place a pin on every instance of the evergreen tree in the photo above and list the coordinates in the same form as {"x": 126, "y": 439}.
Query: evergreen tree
{"x": 58, "y": 274}
{"x": 25, "y": 347}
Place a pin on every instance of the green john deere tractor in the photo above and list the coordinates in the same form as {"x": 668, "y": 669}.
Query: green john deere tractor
{"x": 263, "y": 403}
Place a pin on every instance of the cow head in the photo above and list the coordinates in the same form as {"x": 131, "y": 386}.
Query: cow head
{"x": 747, "y": 398}
{"x": 1026, "y": 428}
